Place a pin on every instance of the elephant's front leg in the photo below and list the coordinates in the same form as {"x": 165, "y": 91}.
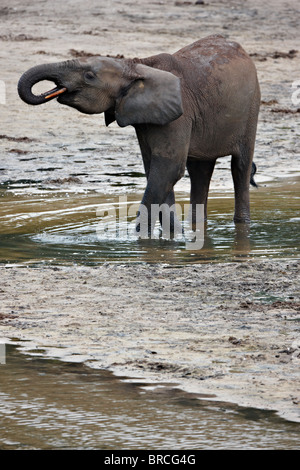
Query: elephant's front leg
{"x": 159, "y": 195}
{"x": 169, "y": 202}
{"x": 164, "y": 151}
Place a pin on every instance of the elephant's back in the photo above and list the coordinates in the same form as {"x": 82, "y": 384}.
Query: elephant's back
{"x": 211, "y": 50}
{"x": 215, "y": 68}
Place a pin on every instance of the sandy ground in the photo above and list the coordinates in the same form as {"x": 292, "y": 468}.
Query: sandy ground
{"x": 226, "y": 331}
{"x": 43, "y": 143}
{"x": 202, "y": 327}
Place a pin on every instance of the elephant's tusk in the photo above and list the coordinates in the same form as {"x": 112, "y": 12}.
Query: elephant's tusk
{"x": 55, "y": 93}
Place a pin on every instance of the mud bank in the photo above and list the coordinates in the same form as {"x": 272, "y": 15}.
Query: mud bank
{"x": 228, "y": 332}
{"x": 50, "y": 143}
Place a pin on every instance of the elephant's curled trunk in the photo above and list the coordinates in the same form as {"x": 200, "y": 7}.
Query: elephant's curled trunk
{"x": 51, "y": 72}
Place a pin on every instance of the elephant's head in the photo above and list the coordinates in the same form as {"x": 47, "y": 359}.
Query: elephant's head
{"x": 131, "y": 93}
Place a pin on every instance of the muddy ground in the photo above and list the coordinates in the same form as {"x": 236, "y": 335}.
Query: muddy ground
{"x": 202, "y": 327}
{"x": 226, "y": 331}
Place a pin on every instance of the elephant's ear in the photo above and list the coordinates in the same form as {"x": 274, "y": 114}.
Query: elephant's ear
{"x": 154, "y": 98}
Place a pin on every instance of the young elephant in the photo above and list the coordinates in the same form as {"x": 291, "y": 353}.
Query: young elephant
{"x": 188, "y": 109}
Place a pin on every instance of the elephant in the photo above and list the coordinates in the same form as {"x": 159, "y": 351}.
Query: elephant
{"x": 188, "y": 109}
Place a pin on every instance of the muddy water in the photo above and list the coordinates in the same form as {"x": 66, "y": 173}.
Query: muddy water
{"x": 50, "y": 404}
{"x": 47, "y": 404}
{"x": 73, "y": 227}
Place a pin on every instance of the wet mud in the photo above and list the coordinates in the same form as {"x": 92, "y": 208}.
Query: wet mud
{"x": 228, "y": 329}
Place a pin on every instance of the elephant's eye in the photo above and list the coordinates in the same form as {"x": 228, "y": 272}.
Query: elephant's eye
{"x": 89, "y": 75}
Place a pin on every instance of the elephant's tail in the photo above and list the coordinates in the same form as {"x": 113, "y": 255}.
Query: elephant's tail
{"x": 252, "y": 175}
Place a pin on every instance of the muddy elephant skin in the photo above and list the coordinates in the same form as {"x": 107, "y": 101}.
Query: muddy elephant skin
{"x": 188, "y": 109}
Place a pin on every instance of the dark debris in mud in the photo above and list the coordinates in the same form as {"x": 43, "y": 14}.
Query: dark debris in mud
{"x": 269, "y": 102}
{"x": 285, "y": 110}
{"x": 281, "y": 305}
{"x": 4, "y": 316}
{"x": 21, "y": 37}
{"x": 67, "y": 180}
{"x": 5, "y": 11}
{"x": 291, "y": 54}
{"x": 16, "y": 139}
{"x": 76, "y": 53}
{"x": 19, "y": 151}
{"x": 186, "y": 3}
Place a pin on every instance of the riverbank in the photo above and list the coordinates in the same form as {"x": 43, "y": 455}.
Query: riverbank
{"x": 227, "y": 332}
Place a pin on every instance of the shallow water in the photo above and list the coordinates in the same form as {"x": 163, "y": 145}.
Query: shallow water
{"x": 48, "y": 404}
{"x": 71, "y": 227}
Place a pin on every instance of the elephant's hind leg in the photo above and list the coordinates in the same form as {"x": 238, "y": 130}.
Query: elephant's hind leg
{"x": 241, "y": 168}
{"x": 200, "y": 172}
{"x": 241, "y": 163}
